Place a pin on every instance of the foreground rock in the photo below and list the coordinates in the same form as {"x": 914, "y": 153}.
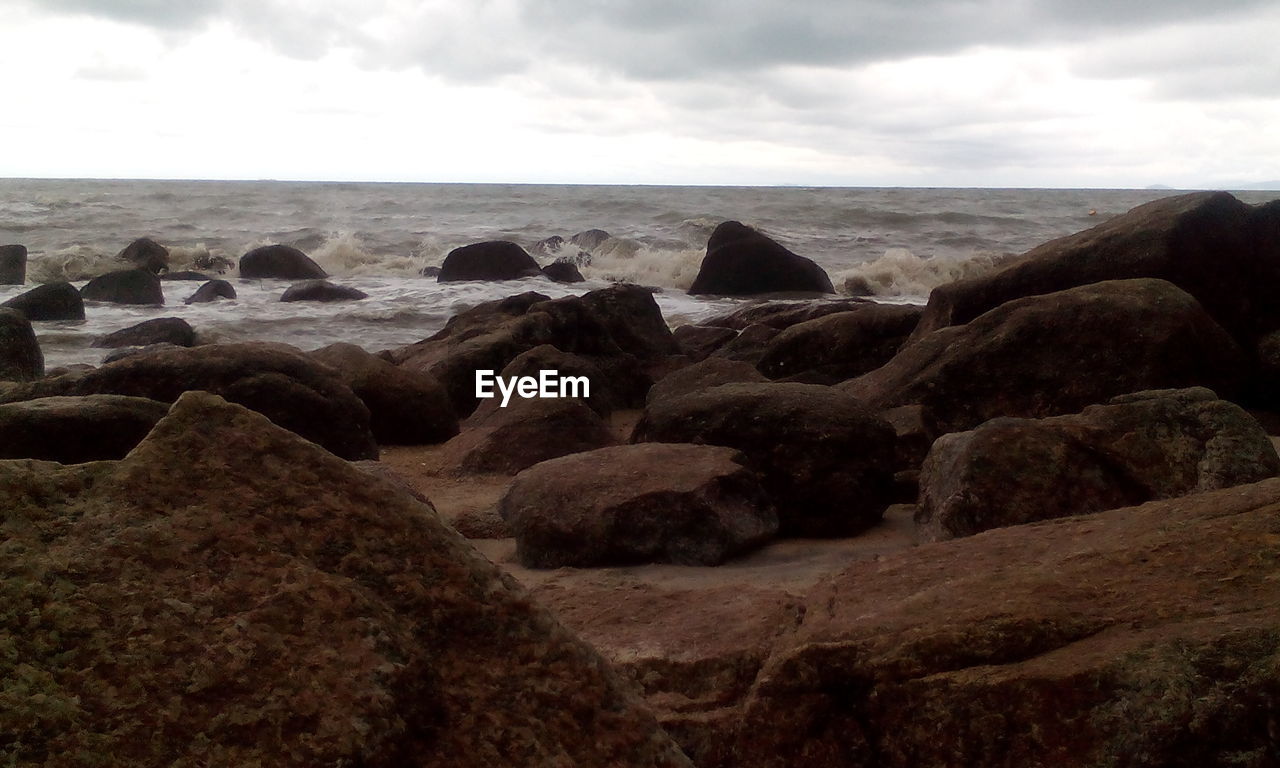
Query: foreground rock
{"x": 13, "y": 264}
{"x": 72, "y": 430}
{"x": 1149, "y": 445}
{"x": 274, "y": 379}
{"x": 297, "y": 612}
{"x": 616, "y": 385}
{"x": 507, "y": 440}
{"x": 491, "y": 260}
{"x": 698, "y": 342}
{"x": 1057, "y": 353}
{"x": 20, "y": 355}
{"x": 162, "y": 330}
{"x": 145, "y": 253}
{"x": 684, "y": 504}
{"x": 842, "y": 345}
{"x": 702, "y": 376}
{"x": 741, "y": 261}
{"x": 212, "y": 291}
{"x": 280, "y": 261}
{"x": 321, "y": 290}
{"x": 782, "y": 314}
{"x": 825, "y": 460}
{"x": 128, "y": 286}
{"x": 48, "y": 302}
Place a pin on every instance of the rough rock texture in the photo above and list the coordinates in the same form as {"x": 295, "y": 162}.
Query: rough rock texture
{"x": 127, "y": 286}
{"x": 633, "y": 320}
{"x": 72, "y": 430}
{"x": 490, "y": 260}
{"x": 1209, "y": 244}
{"x": 260, "y": 602}
{"x": 162, "y": 330}
{"x": 405, "y": 407}
{"x": 321, "y": 290}
{"x": 13, "y": 264}
{"x": 273, "y": 379}
{"x": 1144, "y": 446}
{"x": 782, "y": 314}
{"x": 563, "y": 272}
{"x": 842, "y": 345}
{"x": 697, "y": 342}
{"x": 702, "y": 376}
{"x": 280, "y": 261}
{"x": 51, "y": 301}
{"x": 145, "y": 253}
{"x": 684, "y": 504}
{"x": 741, "y": 261}
{"x": 748, "y": 346}
{"x": 20, "y": 355}
{"x": 123, "y": 352}
{"x": 610, "y": 388}
{"x": 826, "y": 461}
{"x": 212, "y": 291}
{"x": 1053, "y": 354}
{"x": 507, "y": 440}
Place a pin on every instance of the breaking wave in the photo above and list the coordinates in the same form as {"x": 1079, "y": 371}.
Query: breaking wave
{"x": 899, "y": 272}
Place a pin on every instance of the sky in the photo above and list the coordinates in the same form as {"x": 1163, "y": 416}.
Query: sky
{"x": 994, "y": 93}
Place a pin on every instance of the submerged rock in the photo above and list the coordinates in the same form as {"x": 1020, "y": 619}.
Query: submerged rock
{"x": 562, "y": 272}
{"x": 322, "y": 290}
{"x": 491, "y": 260}
{"x": 280, "y": 261}
{"x": 128, "y": 286}
{"x": 741, "y": 261}
{"x": 212, "y": 291}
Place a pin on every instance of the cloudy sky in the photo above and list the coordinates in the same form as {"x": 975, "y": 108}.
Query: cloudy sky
{"x": 1057, "y": 93}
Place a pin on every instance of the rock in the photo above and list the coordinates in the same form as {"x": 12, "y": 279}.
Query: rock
{"x": 1209, "y": 244}
{"x": 683, "y": 504}
{"x": 186, "y": 275}
{"x": 702, "y": 376}
{"x": 1054, "y": 354}
{"x": 13, "y": 264}
{"x": 233, "y": 583}
{"x": 782, "y": 314}
{"x": 915, "y": 431}
{"x": 749, "y": 345}
{"x": 548, "y": 246}
{"x": 212, "y": 291}
{"x": 51, "y": 301}
{"x": 405, "y": 407}
{"x": 842, "y": 345}
{"x": 430, "y": 271}
{"x": 391, "y": 477}
{"x": 633, "y": 320}
{"x": 20, "y": 355}
{"x": 145, "y": 253}
{"x": 825, "y": 460}
{"x": 162, "y": 330}
{"x": 321, "y": 290}
{"x": 73, "y": 430}
{"x": 211, "y": 263}
{"x": 491, "y": 260}
{"x": 506, "y": 440}
{"x": 562, "y": 272}
{"x": 483, "y": 523}
{"x": 697, "y": 342}
{"x": 128, "y": 286}
{"x": 274, "y": 379}
{"x": 741, "y": 261}
{"x": 280, "y": 261}
{"x": 1139, "y": 447}
{"x": 590, "y": 239}
{"x": 123, "y": 352}
{"x": 610, "y": 387}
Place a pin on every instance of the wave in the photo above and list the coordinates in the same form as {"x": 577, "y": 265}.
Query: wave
{"x": 70, "y": 264}
{"x": 899, "y": 272}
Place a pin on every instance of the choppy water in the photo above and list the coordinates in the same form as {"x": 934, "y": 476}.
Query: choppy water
{"x": 376, "y": 237}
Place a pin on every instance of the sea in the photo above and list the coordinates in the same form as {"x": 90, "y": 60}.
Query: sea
{"x": 897, "y": 243}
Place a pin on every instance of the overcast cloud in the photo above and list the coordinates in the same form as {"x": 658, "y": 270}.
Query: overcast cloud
{"x": 968, "y": 93}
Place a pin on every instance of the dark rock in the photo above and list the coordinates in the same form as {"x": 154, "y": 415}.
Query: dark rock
{"x": 145, "y": 253}
{"x": 684, "y": 504}
{"x": 1053, "y": 354}
{"x": 1149, "y": 445}
{"x": 128, "y": 286}
{"x": 562, "y": 272}
{"x": 20, "y": 355}
{"x": 527, "y": 431}
{"x": 611, "y": 387}
{"x": 826, "y": 461}
{"x": 212, "y": 291}
{"x": 321, "y": 290}
{"x": 405, "y": 407}
{"x": 430, "y": 271}
{"x": 548, "y": 246}
{"x": 702, "y": 376}
{"x": 841, "y": 345}
{"x": 391, "y": 477}
{"x": 51, "y": 301}
{"x": 73, "y": 430}
{"x": 915, "y": 430}
{"x": 123, "y": 352}
{"x": 633, "y": 320}
{"x": 273, "y": 379}
{"x": 782, "y": 314}
{"x": 491, "y": 260}
{"x": 280, "y": 261}
{"x": 697, "y": 342}
{"x": 590, "y": 239}
{"x": 741, "y": 261}
{"x": 185, "y": 274}
{"x": 748, "y": 346}
{"x": 162, "y": 330}
{"x": 13, "y": 264}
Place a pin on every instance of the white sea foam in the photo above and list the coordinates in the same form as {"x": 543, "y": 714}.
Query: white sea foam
{"x": 75, "y": 262}
{"x": 899, "y": 272}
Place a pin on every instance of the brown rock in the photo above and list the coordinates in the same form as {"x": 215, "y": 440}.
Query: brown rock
{"x": 20, "y": 355}
{"x": 697, "y": 342}
{"x": 842, "y": 345}
{"x": 507, "y": 440}
{"x": 702, "y": 376}
{"x": 72, "y": 430}
{"x": 748, "y": 346}
{"x": 782, "y": 314}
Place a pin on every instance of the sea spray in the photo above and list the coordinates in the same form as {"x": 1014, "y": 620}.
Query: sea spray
{"x": 899, "y": 272}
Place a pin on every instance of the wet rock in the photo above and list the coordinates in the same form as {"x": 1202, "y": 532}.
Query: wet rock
{"x": 129, "y": 286}
{"x": 430, "y": 271}
{"x": 162, "y": 330}
{"x": 321, "y": 290}
{"x": 782, "y": 314}
{"x": 842, "y": 345}
{"x": 748, "y": 346}
{"x": 145, "y": 253}
{"x": 702, "y": 376}
{"x": 698, "y": 342}
{"x": 527, "y": 431}
{"x": 589, "y": 239}
{"x": 684, "y": 504}
{"x": 72, "y": 430}
{"x": 563, "y": 272}
{"x": 123, "y": 352}
{"x": 13, "y": 264}
{"x": 280, "y": 261}
{"x": 48, "y": 302}
{"x": 490, "y": 260}
{"x": 633, "y": 320}
{"x": 212, "y": 291}
{"x": 20, "y": 355}
{"x": 741, "y": 261}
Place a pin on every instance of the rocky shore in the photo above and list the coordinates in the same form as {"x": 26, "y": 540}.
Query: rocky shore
{"x": 1035, "y": 522}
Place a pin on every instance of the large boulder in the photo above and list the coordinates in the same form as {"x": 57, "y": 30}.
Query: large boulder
{"x": 698, "y": 342}
{"x": 13, "y": 264}
{"x": 20, "y": 355}
{"x": 826, "y": 461}
{"x": 212, "y": 291}
{"x": 1209, "y": 244}
{"x": 633, "y": 320}
{"x": 1057, "y": 353}
{"x": 490, "y": 260}
{"x": 749, "y": 345}
{"x": 505, "y": 440}
{"x": 276, "y": 380}
{"x": 321, "y": 290}
{"x": 280, "y": 261}
{"x": 162, "y": 330}
{"x": 51, "y": 301}
{"x": 145, "y": 253}
{"x": 684, "y": 504}
{"x": 702, "y": 376}
{"x": 126, "y": 286}
{"x": 72, "y": 430}
{"x": 842, "y": 345}
{"x": 265, "y": 603}
{"x": 609, "y": 387}
{"x": 741, "y": 261}
{"x": 405, "y": 407}
{"x": 1139, "y": 447}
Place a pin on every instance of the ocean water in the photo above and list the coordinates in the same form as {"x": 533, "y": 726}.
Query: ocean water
{"x": 898, "y": 242}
